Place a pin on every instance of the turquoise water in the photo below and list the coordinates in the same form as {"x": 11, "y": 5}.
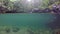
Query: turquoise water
{"x": 34, "y": 20}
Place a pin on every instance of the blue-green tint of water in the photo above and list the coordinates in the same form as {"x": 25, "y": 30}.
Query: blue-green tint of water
{"x": 24, "y": 19}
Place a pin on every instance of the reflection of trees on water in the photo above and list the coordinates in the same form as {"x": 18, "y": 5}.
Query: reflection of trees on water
{"x": 55, "y": 24}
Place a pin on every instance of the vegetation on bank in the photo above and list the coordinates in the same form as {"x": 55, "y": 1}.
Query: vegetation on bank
{"x": 19, "y": 6}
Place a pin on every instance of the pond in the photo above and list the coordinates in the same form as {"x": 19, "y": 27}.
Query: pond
{"x": 35, "y": 21}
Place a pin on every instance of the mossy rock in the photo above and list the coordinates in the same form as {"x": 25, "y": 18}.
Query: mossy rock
{"x": 15, "y": 29}
{"x": 7, "y": 30}
{"x": 30, "y": 31}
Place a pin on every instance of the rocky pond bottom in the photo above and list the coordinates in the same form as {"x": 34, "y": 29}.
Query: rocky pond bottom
{"x": 23, "y": 30}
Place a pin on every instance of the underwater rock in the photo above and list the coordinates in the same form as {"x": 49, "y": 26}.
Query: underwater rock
{"x": 16, "y": 29}
{"x": 30, "y": 31}
{"x": 7, "y": 30}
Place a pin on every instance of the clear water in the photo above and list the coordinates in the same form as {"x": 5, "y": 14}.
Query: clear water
{"x": 35, "y": 21}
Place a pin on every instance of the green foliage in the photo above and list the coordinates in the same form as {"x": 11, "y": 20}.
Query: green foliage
{"x": 50, "y": 6}
{"x": 7, "y": 3}
{"x": 10, "y": 5}
{"x": 45, "y": 4}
